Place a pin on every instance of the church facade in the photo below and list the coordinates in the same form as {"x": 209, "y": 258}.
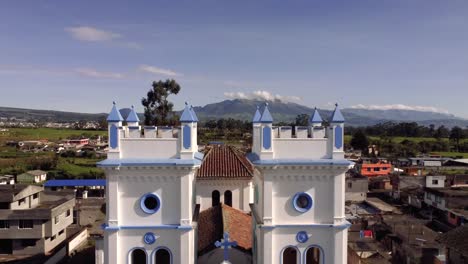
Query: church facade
{"x": 290, "y": 187}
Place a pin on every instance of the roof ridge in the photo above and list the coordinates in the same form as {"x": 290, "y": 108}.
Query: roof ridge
{"x": 239, "y": 159}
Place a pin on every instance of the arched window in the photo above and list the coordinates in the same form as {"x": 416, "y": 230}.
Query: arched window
{"x": 312, "y": 255}
{"x": 138, "y": 256}
{"x": 290, "y": 256}
{"x": 228, "y": 198}
{"x": 162, "y": 256}
{"x": 215, "y": 198}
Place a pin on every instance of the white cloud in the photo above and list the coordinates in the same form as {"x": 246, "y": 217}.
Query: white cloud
{"x": 97, "y": 74}
{"x": 400, "y": 107}
{"x": 91, "y": 34}
{"x": 159, "y": 71}
{"x": 261, "y": 95}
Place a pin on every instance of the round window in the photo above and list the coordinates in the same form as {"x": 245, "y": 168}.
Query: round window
{"x": 302, "y": 202}
{"x": 150, "y": 203}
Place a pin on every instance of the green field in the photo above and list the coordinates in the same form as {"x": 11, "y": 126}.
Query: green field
{"x": 79, "y": 167}
{"x": 51, "y": 134}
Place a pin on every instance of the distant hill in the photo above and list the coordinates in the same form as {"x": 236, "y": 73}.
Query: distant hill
{"x": 244, "y": 110}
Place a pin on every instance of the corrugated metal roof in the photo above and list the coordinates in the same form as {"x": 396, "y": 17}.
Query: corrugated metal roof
{"x": 71, "y": 183}
{"x": 223, "y": 161}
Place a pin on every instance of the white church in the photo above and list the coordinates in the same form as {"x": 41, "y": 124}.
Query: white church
{"x": 168, "y": 203}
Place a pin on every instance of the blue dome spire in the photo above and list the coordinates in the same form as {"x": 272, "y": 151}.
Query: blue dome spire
{"x": 257, "y": 116}
{"x": 315, "y": 118}
{"x": 193, "y": 113}
{"x": 266, "y": 116}
{"x": 132, "y": 116}
{"x": 114, "y": 115}
{"x": 187, "y": 115}
{"x": 337, "y": 117}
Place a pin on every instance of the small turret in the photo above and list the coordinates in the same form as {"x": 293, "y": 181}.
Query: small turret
{"x": 188, "y": 130}
{"x": 256, "y": 131}
{"x": 266, "y": 134}
{"x": 114, "y": 124}
{"x": 134, "y": 129}
{"x": 315, "y": 125}
{"x": 336, "y": 134}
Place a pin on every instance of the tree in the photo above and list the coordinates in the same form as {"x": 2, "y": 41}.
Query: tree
{"x": 360, "y": 141}
{"x": 158, "y": 109}
{"x": 302, "y": 120}
{"x": 441, "y": 132}
{"x": 456, "y": 134}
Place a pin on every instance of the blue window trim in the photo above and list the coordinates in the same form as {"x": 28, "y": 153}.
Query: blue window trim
{"x": 322, "y": 254}
{"x": 153, "y": 254}
{"x": 298, "y": 260}
{"x": 129, "y": 257}
{"x": 299, "y": 209}
{"x": 147, "y": 210}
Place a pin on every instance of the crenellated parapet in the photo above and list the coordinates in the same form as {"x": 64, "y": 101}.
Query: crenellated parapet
{"x": 311, "y": 142}
{"x": 134, "y": 142}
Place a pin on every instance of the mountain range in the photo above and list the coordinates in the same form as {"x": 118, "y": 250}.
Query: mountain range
{"x": 244, "y": 109}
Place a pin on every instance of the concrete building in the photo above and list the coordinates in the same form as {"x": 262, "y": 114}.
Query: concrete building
{"x": 7, "y": 179}
{"x": 156, "y": 184}
{"x": 356, "y": 189}
{"x": 33, "y": 221}
{"x": 34, "y": 176}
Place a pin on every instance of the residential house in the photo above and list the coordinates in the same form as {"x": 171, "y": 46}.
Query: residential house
{"x": 34, "y": 176}
{"x": 456, "y": 245}
{"x": 356, "y": 188}
{"x": 7, "y": 179}
{"x": 33, "y": 221}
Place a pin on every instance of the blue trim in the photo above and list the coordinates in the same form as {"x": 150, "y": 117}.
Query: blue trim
{"x": 149, "y": 127}
{"x": 302, "y": 237}
{"x": 316, "y": 118}
{"x": 322, "y": 253}
{"x": 312, "y": 162}
{"x": 73, "y": 183}
{"x": 187, "y": 136}
{"x": 129, "y": 256}
{"x": 132, "y": 116}
{"x": 343, "y": 226}
{"x": 148, "y": 162}
{"x": 266, "y": 116}
{"x": 310, "y": 202}
{"x": 338, "y": 137}
{"x": 257, "y": 116}
{"x": 146, "y": 209}
{"x": 114, "y": 115}
{"x": 286, "y": 128}
{"x": 187, "y": 115}
{"x": 153, "y": 254}
{"x": 133, "y": 127}
{"x": 298, "y": 252}
{"x": 113, "y": 134}
{"x": 149, "y": 238}
{"x": 105, "y": 227}
{"x": 266, "y": 137}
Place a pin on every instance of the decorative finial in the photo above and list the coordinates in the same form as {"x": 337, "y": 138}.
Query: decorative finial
{"x": 315, "y": 108}
{"x": 336, "y": 104}
{"x": 133, "y": 107}
{"x": 113, "y": 102}
{"x": 266, "y": 103}
{"x": 186, "y": 103}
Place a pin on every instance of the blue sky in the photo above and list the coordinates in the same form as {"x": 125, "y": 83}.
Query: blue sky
{"x": 82, "y": 55}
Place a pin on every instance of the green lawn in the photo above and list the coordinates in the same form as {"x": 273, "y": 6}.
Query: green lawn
{"x": 51, "y": 134}
{"x": 78, "y": 167}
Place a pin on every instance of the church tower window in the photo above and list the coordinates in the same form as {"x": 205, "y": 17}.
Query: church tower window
{"x": 290, "y": 255}
{"x": 312, "y": 255}
{"x": 138, "y": 256}
{"x": 228, "y": 198}
{"x": 215, "y": 198}
{"x": 162, "y": 256}
{"x": 150, "y": 203}
{"x": 302, "y": 202}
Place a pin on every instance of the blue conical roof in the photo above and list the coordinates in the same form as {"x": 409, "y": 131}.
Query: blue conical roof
{"x": 257, "y": 116}
{"x": 187, "y": 115}
{"x": 193, "y": 113}
{"x": 132, "y": 116}
{"x": 114, "y": 115}
{"x": 266, "y": 116}
{"x": 315, "y": 118}
{"x": 337, "y": 117}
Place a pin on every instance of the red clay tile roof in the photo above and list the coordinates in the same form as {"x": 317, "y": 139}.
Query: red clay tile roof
{"x": 227, "y": 162}
{"x": 213, "y": 222}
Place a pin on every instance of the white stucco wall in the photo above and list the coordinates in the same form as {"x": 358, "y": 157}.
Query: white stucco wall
{"x": 240, "y": 192}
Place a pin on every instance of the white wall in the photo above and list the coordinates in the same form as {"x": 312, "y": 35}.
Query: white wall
{"x": 240, "y": 193}
{"x": 149, "y": 148}
{"x": 439, "y": 181}
{"x": 300, "y": 148}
